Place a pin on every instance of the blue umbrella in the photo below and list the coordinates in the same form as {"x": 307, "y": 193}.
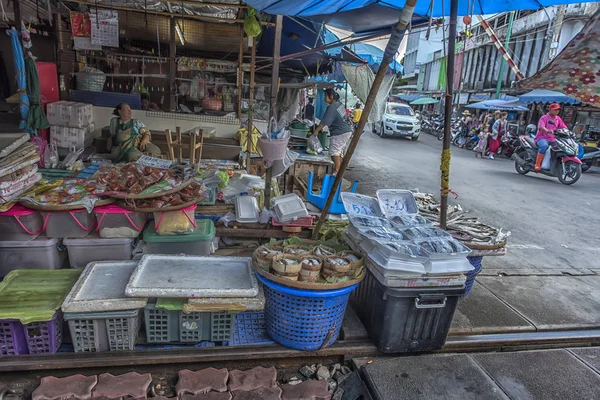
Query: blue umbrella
{"x": 546, "y": 96}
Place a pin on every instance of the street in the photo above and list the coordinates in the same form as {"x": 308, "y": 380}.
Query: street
{"x": 555, "y": 228}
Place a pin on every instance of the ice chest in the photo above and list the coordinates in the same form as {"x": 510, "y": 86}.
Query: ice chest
{"x": 117, "y": 222}
{"x": 408, "y": 319}
{"x": 68, "y": 224}
{"x": 83, "y": 251}
{"x": 39, "y": 253}
{"x": 198, "y": 243}
{"x": 20, "y": 223}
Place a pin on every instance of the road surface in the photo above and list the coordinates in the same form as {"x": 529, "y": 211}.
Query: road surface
{"x": 555, "y": 228}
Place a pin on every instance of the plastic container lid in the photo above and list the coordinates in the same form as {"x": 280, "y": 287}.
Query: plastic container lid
{"x": 397, "y": 202}
{"x": 95, "y": 240}
{"x": 40, "y": 241}
{"x": 389, "y": 267}
{"x": 204, "y": 231}
{"x": 444, "y": 248}
{"x": 246, "y": 209}
{"x": 112, "y": 209}
{"x": 35, "y": 295}
{"x": 359, "y": 204}
{"x": 288, "y": 207}
{"x": 101, "y": 287}
{"x": 17, "y": 211}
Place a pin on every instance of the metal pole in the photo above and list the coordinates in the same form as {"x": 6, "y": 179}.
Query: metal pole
{"x": 240, "y": 75}
{"x": 392, "y": 47}
{"x": 511, "y": 18}
{"x": 445, "y": 164}
{"x": 172, "y": 66}
{"x": 274, "y": 89}
{"x": 251, "y": 105}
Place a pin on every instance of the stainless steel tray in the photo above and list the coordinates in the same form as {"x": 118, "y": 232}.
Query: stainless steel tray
{"x": 191, "y": 276}
{"x": 101, "y": 287}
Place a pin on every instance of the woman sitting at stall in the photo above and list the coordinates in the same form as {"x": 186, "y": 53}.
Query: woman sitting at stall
{"x": 130, "y": 137}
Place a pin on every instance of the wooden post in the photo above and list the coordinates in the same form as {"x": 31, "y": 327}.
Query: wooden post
{"x": 170, "y": 144}
{"x": 240, "y": 75}
{"x": 445, "y": 162}
{"x": 274, "y": 89}
{"x": 179, "y": 143}
{"x": 392, "y": 47}
{"x": 172, "y": 66}
{"x": 17, "y": 11}
{"x": 251, "y": 104}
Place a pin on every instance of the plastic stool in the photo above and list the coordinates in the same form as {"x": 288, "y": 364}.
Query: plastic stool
{"x": 319, "y": 200}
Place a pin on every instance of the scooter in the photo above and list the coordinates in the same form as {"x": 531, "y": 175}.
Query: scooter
{"x": 473, "y": 140}
{"x": 510, "y": 142}
{"x": 564, "y": 163}
{"x": 591, "y": 157}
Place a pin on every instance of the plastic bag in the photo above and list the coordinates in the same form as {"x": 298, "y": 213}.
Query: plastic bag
{"x": 314, "y": 145}
{"x": 265, "y": 216}
{"x": 546, "y": 162}
{"x": 251, "y": 24}
{"x": 41, "y": 146}
{"x": 71, "y": 158}
{"x": 51, "y": 156}
{"x": 280, "y": 166}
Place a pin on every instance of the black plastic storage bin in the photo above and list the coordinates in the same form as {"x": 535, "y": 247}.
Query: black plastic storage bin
{"x": 405, "y": 319}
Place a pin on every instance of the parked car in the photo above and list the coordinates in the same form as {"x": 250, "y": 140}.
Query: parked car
{"x": 399, "y": 120}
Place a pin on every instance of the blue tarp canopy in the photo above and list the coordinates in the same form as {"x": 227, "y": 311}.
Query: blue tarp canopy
{"x": 373, "y": 55}
{"x": 546, "y": 96}
{"x": 502, "y": 105}
{"x": 372, "y": 15}
{"x": 408, "y": 97}
{"x": 298, "y": 35}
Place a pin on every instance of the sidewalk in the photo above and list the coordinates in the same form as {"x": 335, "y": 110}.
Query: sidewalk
{"x": 528, "y": 375}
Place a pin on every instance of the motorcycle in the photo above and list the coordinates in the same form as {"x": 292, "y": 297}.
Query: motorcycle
{"x": 510, "y": 142}
{"x": 473, "y": 140}
{"x": 590, "y": 157}
{"x": 564, "y": 163}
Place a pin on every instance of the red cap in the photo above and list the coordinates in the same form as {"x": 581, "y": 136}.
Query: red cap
{"x": 554, "y": 106}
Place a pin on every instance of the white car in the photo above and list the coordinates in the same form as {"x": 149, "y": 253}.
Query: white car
{"x": 399, "y": 120}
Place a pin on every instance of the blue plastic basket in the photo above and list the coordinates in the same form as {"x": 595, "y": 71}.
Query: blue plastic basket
{"x": 304, "y": 319}
{"x": 476, "y": 263}
{"x": 250, "y": 330}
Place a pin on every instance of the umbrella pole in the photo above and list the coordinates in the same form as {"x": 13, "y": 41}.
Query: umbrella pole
{"x": 445, "y": 163}
{"x": 398, "y": 32}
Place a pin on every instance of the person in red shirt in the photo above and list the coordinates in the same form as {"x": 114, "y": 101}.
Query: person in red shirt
{"x": 545, "y": 135}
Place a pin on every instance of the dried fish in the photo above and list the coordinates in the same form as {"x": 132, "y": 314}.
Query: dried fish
{"x": 338, "y": 261}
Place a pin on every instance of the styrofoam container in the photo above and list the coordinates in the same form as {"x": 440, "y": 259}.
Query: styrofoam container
{"x": 396, "y": 202}
{"x": 288, "y": 207}
{"x": 246, "y": 209}
{"x": 449, "y": 266}
{"x": 409, "y": 220}
{"x": 398, "y": 279}
{"x": 20, "y": 223}
{"x": 361, "y": 222}
{"x": 117, "y": 222}
{"x": 359, "y": 204}
{"x": 393, "y": 267}
{"x": 39, "y": 253}
{"x": 253, "y": 181}
{"x": 192, "y": 276}
{"x": 68, "y": 224}
{"x": 424, "y": 232}
{"x": 101, "y": 287}
{"x": 94, "y": 248}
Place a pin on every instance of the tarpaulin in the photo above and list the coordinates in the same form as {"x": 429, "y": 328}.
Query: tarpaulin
{"x": 371, "y": 15}
{"x": 361, "y": 79}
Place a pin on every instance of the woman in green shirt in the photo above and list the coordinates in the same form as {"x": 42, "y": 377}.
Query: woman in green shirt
{"x": 130, "y": 137}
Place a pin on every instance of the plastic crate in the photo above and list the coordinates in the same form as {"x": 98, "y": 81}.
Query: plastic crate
{"x": 406, "y": 319}
{"x": 12, "y": 338}
{"x": 44, "y": 337}
{"x": 39, "y": 253}
{"x": 20, "y": 223}
{"x": 304, "y": 319}
{"x": 164, "y": 326}
{"x": 250, "y": 329}
{"x": 476, "y": 262}
{"x": 104, "y": 331}
{"x": 83, "y": 251}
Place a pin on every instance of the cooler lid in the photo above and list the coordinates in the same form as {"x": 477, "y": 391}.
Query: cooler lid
{"x": 204, "y": 231}
{"x": 101, "y": 288}
{"x": 397, "y": 202}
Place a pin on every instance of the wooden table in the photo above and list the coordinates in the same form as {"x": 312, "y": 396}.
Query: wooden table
{"x": 319, "y": 165}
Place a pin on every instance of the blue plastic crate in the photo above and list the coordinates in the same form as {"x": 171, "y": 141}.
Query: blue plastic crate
{"x": 250, "y": 330}
{"x": 476, "y": 262}
{"x": 304, "y": 319}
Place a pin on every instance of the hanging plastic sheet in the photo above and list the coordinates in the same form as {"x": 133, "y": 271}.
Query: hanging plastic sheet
{"x": 360, "y": 78}
{"x": 20, "y": 69}
{"x": 320, "y": 104}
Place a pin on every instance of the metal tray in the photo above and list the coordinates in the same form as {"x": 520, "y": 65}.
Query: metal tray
{"x": 192, "y": 276}
{"x": 101, "y": 287}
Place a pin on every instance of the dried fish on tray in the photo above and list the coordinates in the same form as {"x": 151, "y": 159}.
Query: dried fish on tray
{"x": 469, "y": 230}
{"x": 189, "y": 195}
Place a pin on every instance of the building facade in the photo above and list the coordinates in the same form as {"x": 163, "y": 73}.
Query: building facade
{"x": 536, "y": 38}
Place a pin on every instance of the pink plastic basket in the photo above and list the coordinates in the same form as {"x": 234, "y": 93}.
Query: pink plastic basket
{"x": 273, "y": 149}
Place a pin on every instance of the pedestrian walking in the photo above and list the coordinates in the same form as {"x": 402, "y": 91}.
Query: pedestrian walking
{"x": 498, "y": 130}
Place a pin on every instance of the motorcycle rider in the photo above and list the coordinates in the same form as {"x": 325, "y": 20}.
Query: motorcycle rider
{"x": 545, "y": 135}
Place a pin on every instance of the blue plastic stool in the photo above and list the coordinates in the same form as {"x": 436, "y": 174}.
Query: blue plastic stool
{"x": 304, "y": 319}
{"x": 476, "y": 263}
{"x": 319, "y": 200}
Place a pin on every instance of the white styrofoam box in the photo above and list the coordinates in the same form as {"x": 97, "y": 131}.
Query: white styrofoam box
{"x": 68, "y": 113}
{"x": 64, "y": 136}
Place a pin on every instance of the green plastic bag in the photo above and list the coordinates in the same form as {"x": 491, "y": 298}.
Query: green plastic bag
{"x": 251, "y": 24}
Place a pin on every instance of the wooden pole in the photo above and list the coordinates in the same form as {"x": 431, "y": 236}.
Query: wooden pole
{"x": 240, "y": 75}
{"x": 251, "y": 104}
{"x": 274, "y": 89}
{"x": 172, "y": 66}
{"x": 17, "y": 12}
{"x": 445, "y": 162}
{"x": 391, "y": 48}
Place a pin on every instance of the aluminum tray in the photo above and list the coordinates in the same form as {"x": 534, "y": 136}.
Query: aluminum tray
{"x": 101, "y": 287}
{"x": 192, "y": 276}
